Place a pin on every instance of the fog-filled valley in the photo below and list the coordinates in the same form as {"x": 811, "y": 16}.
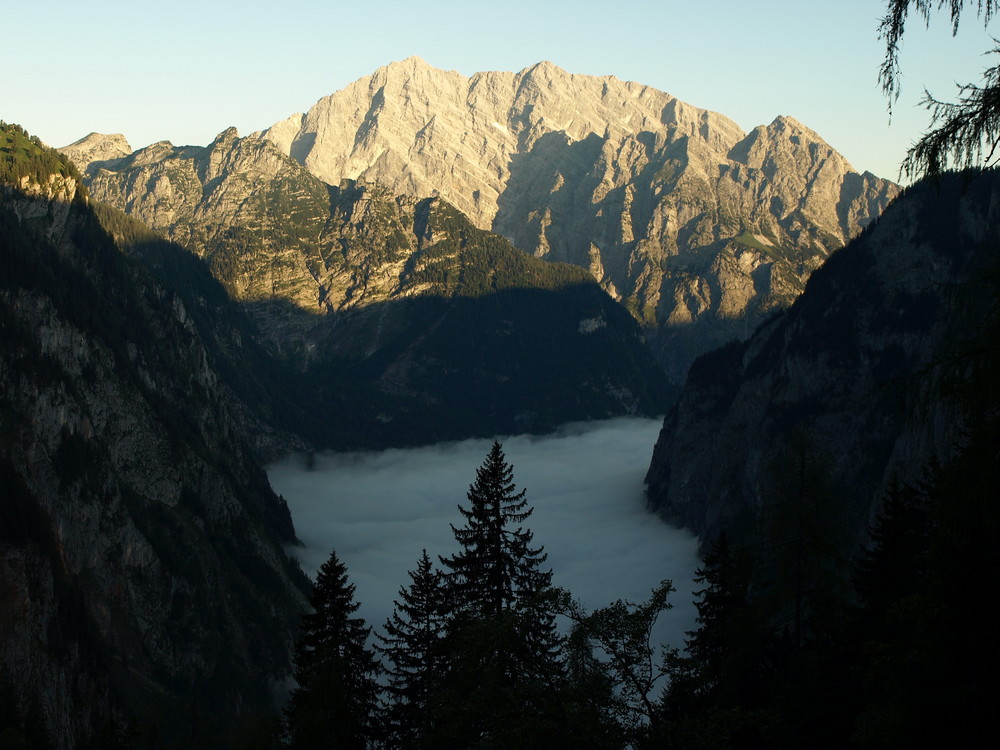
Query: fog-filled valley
{"x": 522, "y": 408}
{"x": 380, "y": 509}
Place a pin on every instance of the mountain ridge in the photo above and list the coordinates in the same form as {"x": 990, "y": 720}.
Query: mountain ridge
{"x": 142, "y": 559}
{"x": 494, "y": 102}
{"x": 663, "y": 202}
{"x": 315, "y": 265}
{"x": 698, "y": 228}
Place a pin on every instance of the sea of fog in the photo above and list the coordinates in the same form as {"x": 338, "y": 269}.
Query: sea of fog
{"x": 585, "y": 482}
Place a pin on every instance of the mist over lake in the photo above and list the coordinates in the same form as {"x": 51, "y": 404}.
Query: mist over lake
{"x": 380, "y": 509}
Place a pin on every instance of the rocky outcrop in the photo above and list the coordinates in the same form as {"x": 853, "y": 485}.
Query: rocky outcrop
{"x": 142, "y": 569}
{"x": 254, "y": 215}
{"x": 697, "y": 227}
{"x": 857, "y": 381}
{"x": 355, "y": 282}
{"x": 422, "y": 131}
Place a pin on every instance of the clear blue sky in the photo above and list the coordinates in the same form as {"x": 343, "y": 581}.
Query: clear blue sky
{"x": 183, "y": 71}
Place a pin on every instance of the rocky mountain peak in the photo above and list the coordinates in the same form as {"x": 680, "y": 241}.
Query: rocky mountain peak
{"x": 408, "y": 65}
{"x": 96, "y": 147}
{"x": 696, "y": 226}
{"x": 226, "y": 138}
{"x": 423, "y": 131}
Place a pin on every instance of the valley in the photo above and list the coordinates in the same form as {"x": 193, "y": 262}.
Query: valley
{"x": 245, "y": 384}
{"x": 584, "y": 482}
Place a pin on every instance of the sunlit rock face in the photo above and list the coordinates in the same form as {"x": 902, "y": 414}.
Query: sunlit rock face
{"x": 448, "y": 330}
{"x": 859, "y": 383}
{"x": 698, "y": 228}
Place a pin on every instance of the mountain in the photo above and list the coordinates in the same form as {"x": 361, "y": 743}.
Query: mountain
{"x": 697, "y": 227}
{"x": 144, "y": 584}
{"x": 868, "y": 379}
{"x": 96, "y": 148}
{"x": 403, "y": 321}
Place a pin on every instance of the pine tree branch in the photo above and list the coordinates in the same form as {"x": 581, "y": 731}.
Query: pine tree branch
{"x": 962, "y": 131}
{"x": 966, "y": 127}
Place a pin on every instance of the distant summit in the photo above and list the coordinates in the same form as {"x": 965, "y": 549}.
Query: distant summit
{"x": 697, "y": 227}
{"x": 420, "y": 130}
{"x": 97, "y": 147}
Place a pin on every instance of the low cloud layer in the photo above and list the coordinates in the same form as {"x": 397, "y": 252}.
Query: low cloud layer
{"x": 379, "y": 510}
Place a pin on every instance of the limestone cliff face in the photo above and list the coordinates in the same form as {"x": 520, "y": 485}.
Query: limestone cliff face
{"x": 423, "y": 131}
{"x": 141, "y": 561}
{"x": 857, "y": 378}
{"x": 697, "y": 227}
{"x": 356, "y": 282}
{"x": 253, "y": 214}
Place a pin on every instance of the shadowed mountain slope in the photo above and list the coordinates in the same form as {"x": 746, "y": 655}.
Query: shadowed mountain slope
{"x": 404, "y": 321}
{"x": 862, "y": 381}
{"x": 142, "y": 569}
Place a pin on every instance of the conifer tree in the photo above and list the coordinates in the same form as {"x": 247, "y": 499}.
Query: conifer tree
{"x": 413, "y": 647}
{"x": 334, "y": 703}
{"x": 964, "y": 133}
{"x": 497, "y": 567}
{"x": 724, "y": 631}
{"x": 895, "y": 564}
{"x": 715, "y": 687}
{"x": 504, "y": 654}
{"x": 801, "y": 568}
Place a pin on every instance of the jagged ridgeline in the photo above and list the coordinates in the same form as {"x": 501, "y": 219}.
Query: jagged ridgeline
{"x": 143, "y": 581}
{"x": 698, "y": 228}
{"x": 404, "y": 321}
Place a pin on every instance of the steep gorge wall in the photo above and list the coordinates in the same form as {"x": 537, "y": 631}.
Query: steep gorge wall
{"x": 860, "y": 380}
{"x": 142, "y": 567}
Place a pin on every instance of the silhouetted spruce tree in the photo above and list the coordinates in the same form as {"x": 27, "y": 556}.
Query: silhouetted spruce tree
{"x": 895, "y": 565}
{"x": 803, "y": 569}
{"x": 724, "y": 636}
{"x": 502, "y": 685}
{"x": 498, "y": 572}
{"x": 714, "y": 694}
{"x": 413, "y": 645}
{"x": 334, "y": 705}
{"x": 804, "y": 584}
{"x": 899, "y": 622}
{"x": 497, "y": 568}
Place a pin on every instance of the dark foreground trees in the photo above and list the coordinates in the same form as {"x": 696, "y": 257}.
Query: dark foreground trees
{"x": 415, "y": 657}
{"x": 500, "y": 666}
{"x": 334, "y": 704}
{"x": 472, "y": 656}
